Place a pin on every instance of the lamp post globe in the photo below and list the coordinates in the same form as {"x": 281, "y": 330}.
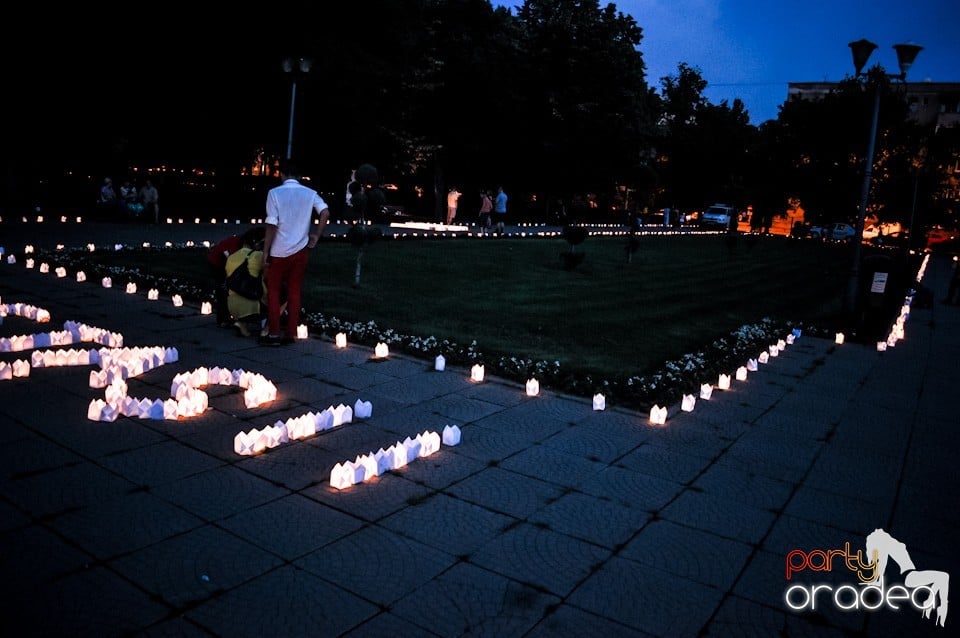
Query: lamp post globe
{"x": 906, "y": 54}
{"x": 862, "y": 50}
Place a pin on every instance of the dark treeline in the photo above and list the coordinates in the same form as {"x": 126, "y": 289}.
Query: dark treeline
{"x": 552, "y": 101}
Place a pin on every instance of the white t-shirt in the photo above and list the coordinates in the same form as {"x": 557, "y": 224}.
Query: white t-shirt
{"x": 290, "y": 208}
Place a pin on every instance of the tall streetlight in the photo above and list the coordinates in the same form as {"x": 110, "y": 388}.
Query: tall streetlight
{"x": 918, "y": 161}
{"x": 861, "y": 49}
{"x": 296, "y": 67}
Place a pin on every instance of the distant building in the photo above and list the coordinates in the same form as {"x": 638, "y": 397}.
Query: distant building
{"x": 931, "y": 103}
{"x": 935, "y": 104}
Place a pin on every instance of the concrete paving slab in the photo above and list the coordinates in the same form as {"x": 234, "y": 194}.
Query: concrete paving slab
{"x": 292, "y": 526}
{"x": 285, "y": 602}
{"x": 67, "y": 607}
{"x": 632, "y": 488}
{"x": 441, "y": 470}
{"x": 64, "y": 489}
{"x": 647, "y": 599}
{"x": 186, "y": 569}
{"x": 739, "y": 617}
{"x": 294, "y": 465}
{"x": 448, "y": 524}
{"x": 377, "y": 564}
{"x": 720, "y": 516}
{"x": 372, "y": 500}
{"x": 537, "y": 555}
{"x": 466, "y": 598}
{"x": 124, "y": 524}
{"x": 567, "y": 620}
{"x": 37, "y": 557}
{"x": 675, "y": 530}
{"x": 591, "y": 519}
{"x": 746, "y": 487}
{"x": 667, "y": 463}
{"x": 532, "y": 427}
{"x": 159, "y": 463}
{"x": 690, "y": 553}
{"x": 219, "y": 492}
{"x": 593, "y": 443}
{"x": 836, "y": 510}
{"x": 549, "y": 464}
{"x": 506, "y": 492}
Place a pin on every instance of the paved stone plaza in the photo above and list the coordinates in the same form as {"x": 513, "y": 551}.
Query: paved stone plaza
{"x": 548, "y": 519}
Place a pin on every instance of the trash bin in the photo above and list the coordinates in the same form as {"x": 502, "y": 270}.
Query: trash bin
{"x": 880, "y": 296}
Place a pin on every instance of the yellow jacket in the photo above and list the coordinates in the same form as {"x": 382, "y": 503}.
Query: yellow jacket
{"x": 240, "y": 307}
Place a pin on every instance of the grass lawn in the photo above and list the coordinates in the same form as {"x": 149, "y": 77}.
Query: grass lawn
{"x": 606, "y": 317}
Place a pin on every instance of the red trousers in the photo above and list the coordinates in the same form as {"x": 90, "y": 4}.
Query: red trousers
{"x": 285, "y": 275}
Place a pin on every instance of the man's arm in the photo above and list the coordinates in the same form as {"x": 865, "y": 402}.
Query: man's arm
{"x": 268, "y": 237}
{"x": 318, "y": 229}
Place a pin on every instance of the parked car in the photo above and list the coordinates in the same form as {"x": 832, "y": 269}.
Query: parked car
{"x": 717, "y": 216}
{"x": 653, "y": 219}
{"x": 947, "y": 247}
{"x": 876, "y": 230}
{"x": 898, "y": 239}
{"x": 838, "y": 232}
{"x": 939, "y": 234}
{"x": 800, "y": 230}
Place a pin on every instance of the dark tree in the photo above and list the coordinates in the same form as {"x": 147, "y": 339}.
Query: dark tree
{"x": 820, "y": 147}
{"x": 704, "y": 149}
{"x": 588, "y": 114}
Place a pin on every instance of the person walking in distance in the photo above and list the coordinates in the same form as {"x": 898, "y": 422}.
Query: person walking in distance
{"x": 486, "y": 208}
{"x": 500, "y": 210}
{"x": 452, "y": 198}
{"x": 290, "y": 235}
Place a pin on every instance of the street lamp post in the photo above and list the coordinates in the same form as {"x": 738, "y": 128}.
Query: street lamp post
{"x": 295, "y": 67}
{"x": 861, "y": 49}
{"x": 917, "y": 164}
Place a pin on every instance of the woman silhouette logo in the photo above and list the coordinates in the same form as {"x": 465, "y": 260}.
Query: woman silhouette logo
{"x": 881, "y": 546}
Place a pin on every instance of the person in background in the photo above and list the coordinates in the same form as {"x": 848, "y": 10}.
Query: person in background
{"x": 107, "y": 201}
{"x": 128, "y": 197}
{"x": 290, "y": 235}
{"x": 216, "y": 263}
{"x": 452, "y": 196}
{"x": 348, "y": 198}
{"x": 500, "y": 210}
{"x": 358, "y": 198}
{"x": 486, "y": 208}
{"x": 150, "y": 199}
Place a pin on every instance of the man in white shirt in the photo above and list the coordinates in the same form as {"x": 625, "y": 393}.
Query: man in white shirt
{"x": 290, "y": 234}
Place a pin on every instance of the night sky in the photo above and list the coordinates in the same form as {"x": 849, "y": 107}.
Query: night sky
{"x": 177, "y": 86}
{"x": 751, "y": 49}
{"x": 184, "y": 82}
